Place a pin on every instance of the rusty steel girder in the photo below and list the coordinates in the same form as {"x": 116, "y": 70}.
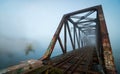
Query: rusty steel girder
{"x": 102, "y": 39}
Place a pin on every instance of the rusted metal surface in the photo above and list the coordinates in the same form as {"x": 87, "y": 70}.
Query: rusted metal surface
{"x": 106, "y": 47}
{"x": 24, "y": 67}
{"x": 81, "y": 33}
{"x": 84, "y": 58}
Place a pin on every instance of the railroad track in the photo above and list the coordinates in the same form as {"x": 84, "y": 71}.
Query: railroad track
{"x": 77, "y": 62}
{"x": 73, "y": 63}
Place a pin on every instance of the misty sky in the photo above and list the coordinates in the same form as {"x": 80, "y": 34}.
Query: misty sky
{"x": 37, "y": 20}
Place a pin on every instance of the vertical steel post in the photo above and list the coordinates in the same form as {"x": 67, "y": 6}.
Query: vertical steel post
{"x": 79, "y": 38}
{"x": 74, "y": 36}
{"x": 106, "y": 47}
{"x": 65, "y": 37}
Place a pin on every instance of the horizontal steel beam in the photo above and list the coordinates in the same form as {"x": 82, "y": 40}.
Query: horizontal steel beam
{"x": 83, "y": 10}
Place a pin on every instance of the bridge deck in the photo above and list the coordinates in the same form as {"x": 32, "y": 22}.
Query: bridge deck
{"x": 79, "y": 61}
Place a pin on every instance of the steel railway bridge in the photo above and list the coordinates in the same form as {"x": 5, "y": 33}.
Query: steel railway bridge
{"x": 91, "y": 50}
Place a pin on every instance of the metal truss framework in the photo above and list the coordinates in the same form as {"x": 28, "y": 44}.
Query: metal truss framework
{"x": 86, "y": 22}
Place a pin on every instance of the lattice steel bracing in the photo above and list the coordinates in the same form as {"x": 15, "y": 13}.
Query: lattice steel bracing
{"x": 87, "y": 24}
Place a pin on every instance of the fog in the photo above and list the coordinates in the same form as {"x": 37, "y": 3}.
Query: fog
{"x": 33, "y": 22}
